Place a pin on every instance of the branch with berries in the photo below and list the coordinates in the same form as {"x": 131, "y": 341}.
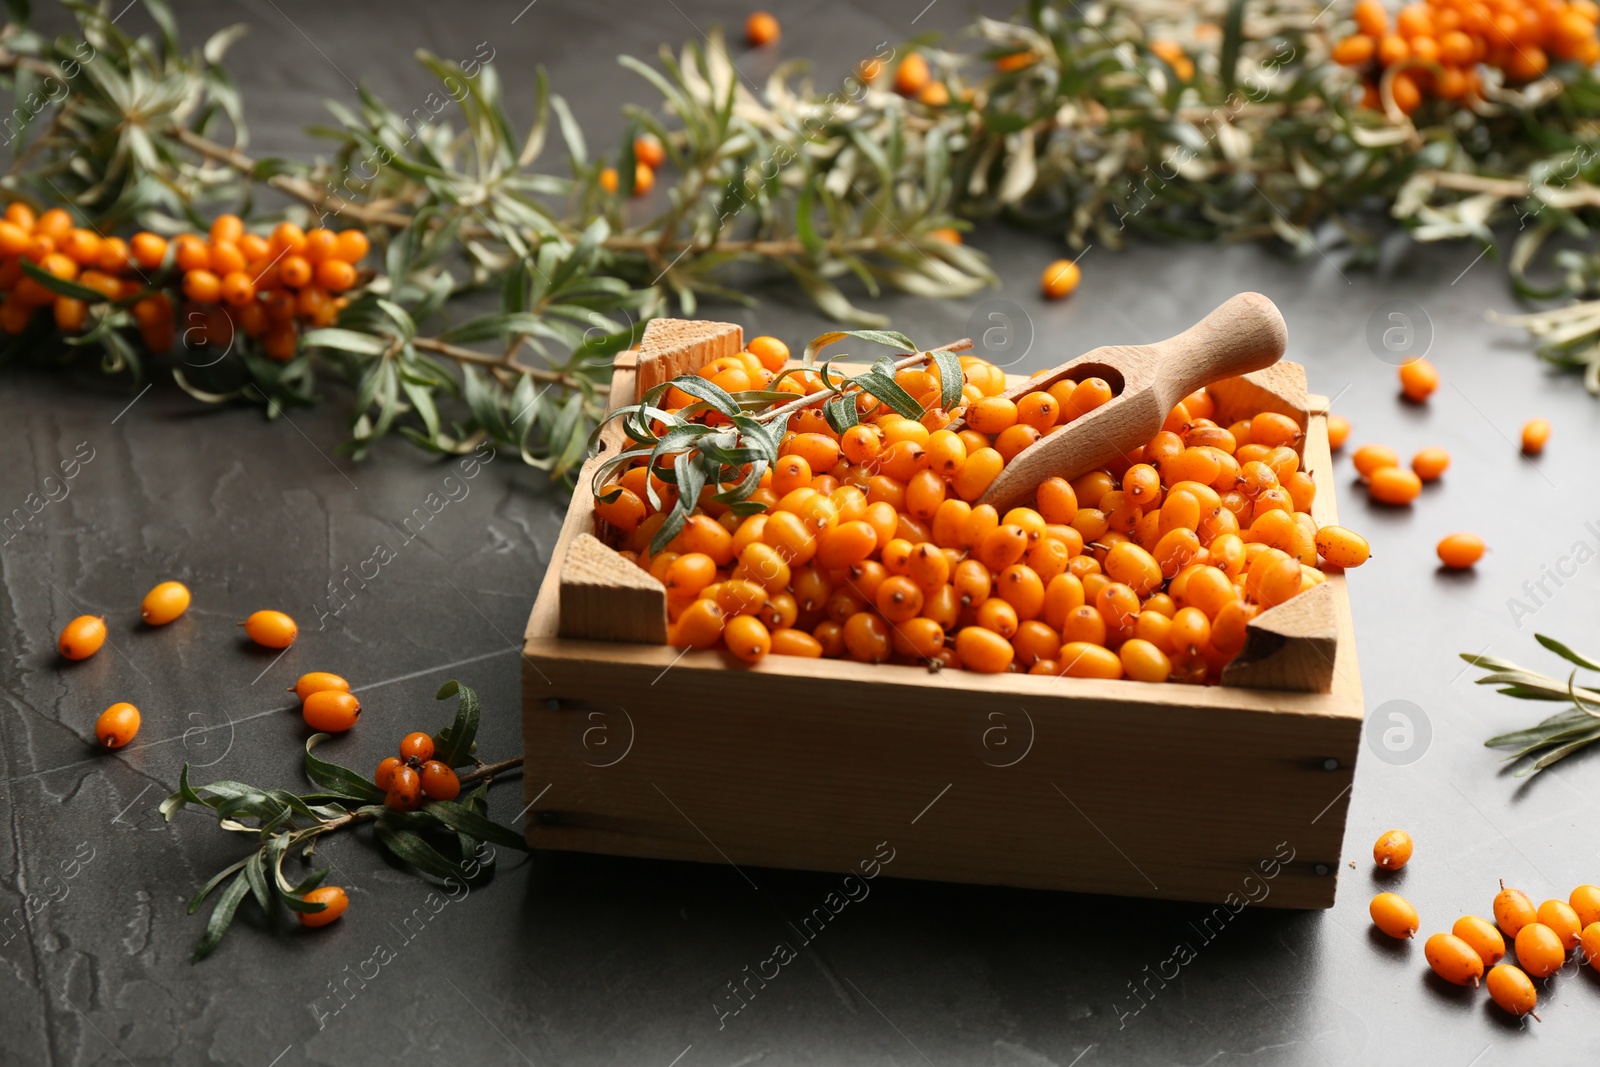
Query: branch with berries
{"x": 415, "y": 804}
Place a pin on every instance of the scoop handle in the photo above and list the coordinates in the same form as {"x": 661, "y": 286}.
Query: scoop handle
{"x": 1247, "y": 333}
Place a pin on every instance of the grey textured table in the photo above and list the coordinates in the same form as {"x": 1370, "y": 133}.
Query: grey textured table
{"x": 584, "y": 960}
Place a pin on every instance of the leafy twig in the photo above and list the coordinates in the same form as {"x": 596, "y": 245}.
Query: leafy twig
{"x": 1563, "y": 733}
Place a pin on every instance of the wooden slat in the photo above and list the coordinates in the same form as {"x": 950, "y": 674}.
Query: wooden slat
{"x": 671, "y": 347}
{"x": 604, "y": 597}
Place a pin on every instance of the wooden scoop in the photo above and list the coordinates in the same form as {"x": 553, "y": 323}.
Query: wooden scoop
{"x": 1247, "y": 333}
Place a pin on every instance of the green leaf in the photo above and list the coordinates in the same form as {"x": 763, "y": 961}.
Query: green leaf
{"x": 463, "y": 819}
{"x": 1566, "y": 653}
{"x": 951, "y": 378}
{"x": 890, "y": 338}
{"x": 885, "y": 388}
{"x": 703, "y": 389}
{"x": 221, "y": 916}
{"x": 364, "y": 344}
{"x": 60, "y": 285}
{"x": 410, "y": 848}
{"x": 453, "y": 745}
{"x": 217, "y": 879}
{"x": 337, "y": 780}
{"x": 184, "y": 795}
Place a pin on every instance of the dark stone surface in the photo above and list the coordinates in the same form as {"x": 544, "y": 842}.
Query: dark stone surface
{"x": 583, "y": 960}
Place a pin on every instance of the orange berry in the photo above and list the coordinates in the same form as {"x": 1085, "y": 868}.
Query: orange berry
{"x": 1483, "y": 937}
{"x": 912, "y": 75}
{"x": 1341, "y": 547}
{"x": 1511, "y": 989}
{"x": 439, "y": 781}
{"x": 54, "y": 224}
{"x": 237, "y": 289}
{"x": 774, "y": 356}
{"x": 747, "y": 638}
{"x": 287, "y": 238}
{"x": 649, "y": 150}
{"x": 334, "y": 901}
{"x": 1453, "y": 959}
{"x": 1394, "y": 915}
{"x": 1562, "y": 920}
{"x": 331, "y": 711}
{"x": 192, "y": 253}
{"x": 82, "y": 246}
{"x": 70, "y": 314}
{"x": 1539, "y": 950}
{"x": 294, "y": 271}
{"x": 1535, "y": 433}
{"x": 164, "y": 603}
{"x": 1513, "y": 910}
{"x": 761, "y": 29}
{"x": 82, "y": 637}
{"x": 1407, "y": 94}
{"x": 317, "y": 682}
{"x": 117, "y": 725}
{"x": 384, "y": 775}
{"x": 353, "y": 246}
{"x": 148, "y": 250}
{"x": 22, "y": 215}
{"x": 981, "y": 649}
{"x": 405, "y": 789}
{"x": 1590, "y": 941}
{"x": 202, "y": 286}
{"x": 1418, "y": 380}
{"x": 1459, "y": 551}
{"x": 1371, "y": 16}
{"x": 271, "y": 629}
{"x": 1060, "y": 278}
{"x": 1430, "y": 463}
{"x": 1585, "y": 901}
{"x": 1394, "y": 485}
{"x": 416, "y": 746}
{"x": 1355, "y": 51}
{"x": 1084, "y": 659}
{"x": 1393, "y": 850}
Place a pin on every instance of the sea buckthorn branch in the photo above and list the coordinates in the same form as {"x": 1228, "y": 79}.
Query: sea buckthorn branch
{"x": 725, "y": 441}
{"x": 1563, "y": 733}
{"x": 1098, "y": 119}
{"x": 440, "y": 838}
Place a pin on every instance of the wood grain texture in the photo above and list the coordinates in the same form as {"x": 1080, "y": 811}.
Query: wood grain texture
{"x": 671, "y": 347}
{"x": 604, "y": 597}
{"x": 1245, "y": 334}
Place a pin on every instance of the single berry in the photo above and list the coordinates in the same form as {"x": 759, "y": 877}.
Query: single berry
{"x": 164, "y": 603}
{"x": 117, "y": 725}
{"x": 416, "y": 746}
{"x": 335, "y": 901}
{"x": 82, "y": 637}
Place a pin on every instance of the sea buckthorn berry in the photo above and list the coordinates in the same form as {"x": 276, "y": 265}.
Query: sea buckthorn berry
{"x": 417, "y": 746}
{"x": 1338, "y": 432}
{"x": 1459, "y": 551}
{"x": 164, "y": 603}
{"x": 1453, "y": 959}
{"x": 1060, "y": 279}
{"x": 983, "y": 650}
{"x": 148, "y": 250}
{"x": 405, "y": 789}
{"x": 1341, "y": 547}
{"x": 1418, "y": 379}
{"x": 1393, "y": 850}
{"x": 334, "y": 275}
{"x": 439, "y": 782}
{"x": 117, "y": 725}
{"x": 331, "y": 711}
{"x": 385, "y": 772}
{"x": 1513, "y": 910}
{"x": 1590, "y": 941}
{"x": 1511, "y": 989}
{"x": 790, "y": 642}
{"x": 761, "y": 29}
{"x": 1395, "y": 486}
{"x": 771, "y": 352}
{"x": 1394, "y": 915}
{"x": 294, "y": 271}
{"x": 271, "y": 629}
{"x": 866, "y": 638}
{"x": 1585, "y": 901}
{"x": 1143, "y": 661}
{"x": 1369, "y": 459}
{"x": 700, "y": 625}
{"x": 1482, "y": 936}
{"x": 911, "y": 76}
{"x": 317, "y": 682}
{"x": 1535, "y": 434}
{"x": 334, "y": 901}
{"x": 1430, "y": 464}
{"x": 1082, "y": 659}
{"x": 747, "y": 638}
{"x": 1563, "y": 921}
{"x": 82, "y": 637}
{"x": 1539, "y": 950}
{"x": 353, "y": 246}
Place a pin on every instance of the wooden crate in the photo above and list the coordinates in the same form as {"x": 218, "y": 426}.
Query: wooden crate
{"x": 1220, "y": 793}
